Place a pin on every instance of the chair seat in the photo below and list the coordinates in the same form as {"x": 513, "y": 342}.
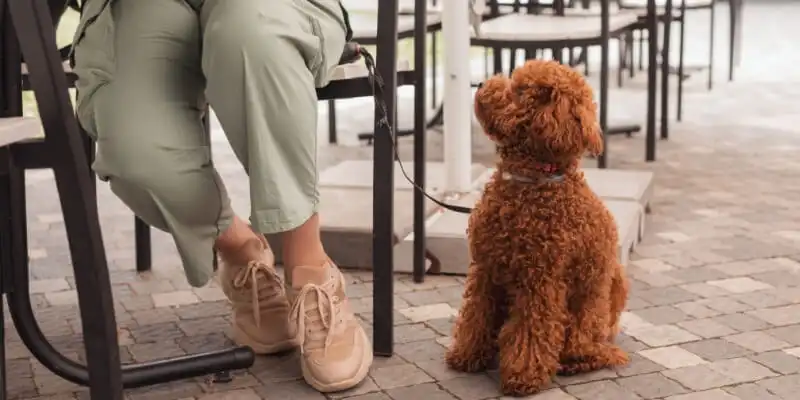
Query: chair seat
{"x": 65, "y": 64}
{"x": 365, "y": 25}
{"x": 18, "y": 129}
{"x": 531, "y": 28}
{"x": 662, "y": 3}
{"x": 353, "y": 70}
{"x": 358, "y": 69}
{"x": 404, "y": 6}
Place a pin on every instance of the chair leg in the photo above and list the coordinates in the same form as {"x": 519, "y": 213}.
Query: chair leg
{"x": 665, "y": 70}
{"x": 623, "y": 50}
{"x": 78, "y": 203}
{"x": 630, "y": 59}
{"x": 6, "y": 257}
{"x": 434, "y": 92}
{"x": 711, "y": 49}
{"x": 332, "y": 137}
{"x": 143, "y": 243}
{"x": 735, "y": 18}
{"x": 641, "y": 50}
{"x": 497, "y": 55}
{"x": 512, "y": 60}
{"x": 486, "y": 74}
{"x": 682, "y": 46}
{"x": 585, "y": 52}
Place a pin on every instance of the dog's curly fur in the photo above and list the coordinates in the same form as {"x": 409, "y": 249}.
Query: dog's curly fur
{"x": 545, "y": 289}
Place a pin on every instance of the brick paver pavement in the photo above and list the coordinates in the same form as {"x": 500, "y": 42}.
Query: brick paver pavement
{"x": 714, "y": 312}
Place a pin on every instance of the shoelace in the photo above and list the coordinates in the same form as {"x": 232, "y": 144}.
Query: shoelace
{"x": 250, "y": 274}
{"x": 329, "y": 322}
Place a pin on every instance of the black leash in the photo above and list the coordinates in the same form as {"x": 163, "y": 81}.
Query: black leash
{"x": 377, "y": 84}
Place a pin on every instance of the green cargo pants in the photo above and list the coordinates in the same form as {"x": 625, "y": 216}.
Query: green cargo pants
{"x": 145, "y": 69}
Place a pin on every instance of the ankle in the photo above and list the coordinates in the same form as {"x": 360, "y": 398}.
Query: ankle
{"x": 239, "y": 243}
{"x": 316, "y": 272}
{"x": 314, "y": 257}
{"x": 251, "y": 249}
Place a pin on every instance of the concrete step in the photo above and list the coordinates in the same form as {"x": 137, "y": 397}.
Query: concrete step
{"x": 346, "y": 215}
{"x": 346, "y": 208}
{"x": 607, "y": 183}
{"x": 626, "y": 193}
{"x": 621, "y": 184}
{"x": 447, "y": 239}
{"x": 358, "y": 174}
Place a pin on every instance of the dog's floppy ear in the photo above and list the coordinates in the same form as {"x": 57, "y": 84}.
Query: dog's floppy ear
{"x": 495, "y": 110}
{"x": 590, "y": 128}
{"x": 560, "y": 108}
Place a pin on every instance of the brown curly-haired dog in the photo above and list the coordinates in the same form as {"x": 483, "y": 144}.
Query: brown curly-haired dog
{"x": 545, "y": 288}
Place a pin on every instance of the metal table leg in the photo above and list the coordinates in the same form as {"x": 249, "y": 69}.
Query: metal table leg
{"x": 420, "y": 125}
{"x": 383, "y": 185}
{"x": 652, "y": 76}
{"x": 665, "y": 69}
{"x": 735, "y": 49}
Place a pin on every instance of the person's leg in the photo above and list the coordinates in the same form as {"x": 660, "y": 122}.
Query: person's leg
{"x": 263, "y": 60}
{"x": 141, "y": 97}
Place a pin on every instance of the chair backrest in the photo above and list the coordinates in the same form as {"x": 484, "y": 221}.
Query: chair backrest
{"x": 500, "y": 7}
{"x": 35, "y": 32}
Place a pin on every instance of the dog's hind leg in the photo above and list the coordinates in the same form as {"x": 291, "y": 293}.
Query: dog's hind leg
{"x": 532, "y": 337}
{"x": 475, "y": 333}
{"x": 587, "y": 347}
{"x": 619, "y": 296}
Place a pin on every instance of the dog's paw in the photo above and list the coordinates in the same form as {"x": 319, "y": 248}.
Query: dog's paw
{"x": 617, "y": 357}
{"x": 572, "y": 367}
{"x": 518, "y": 387}
{"x": 466, "y": 363}
{"x": 607, "y": 356}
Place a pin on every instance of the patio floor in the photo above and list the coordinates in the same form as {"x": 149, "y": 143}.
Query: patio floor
{"x": 714, "y": 311}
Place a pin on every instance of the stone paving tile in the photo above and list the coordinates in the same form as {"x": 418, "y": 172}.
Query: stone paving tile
{"x": 639, "y": 365}
{"x": 672, "y": 357}
{"x": 652, "y": 386}
{"x": 715, "y": 349}
{"x": 424, "y": 391}
{"x": 757, "y": 341}
{"x": 751, "y": 391}
{"x": 662, "y": 335}
{"x": 715, "y": 394}
{"x": 706, "y": 328}
{"x": 602, "y": 390}
{"x": 714, "y": 308}
{"x": 781, "y": 362}
{"x": 785, "y": 387}
{"x": 476, "y": 387}
{"x": 699, "y": 377}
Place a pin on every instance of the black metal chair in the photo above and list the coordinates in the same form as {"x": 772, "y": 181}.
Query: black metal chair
{"x": 365, "y": 32}
{"x": 683, "y": 7}
{"x": 27, "y": 30}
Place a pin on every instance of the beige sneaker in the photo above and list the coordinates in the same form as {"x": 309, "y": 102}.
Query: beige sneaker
{"x": 336, "y": 351}
{"x": 260, "y": 308}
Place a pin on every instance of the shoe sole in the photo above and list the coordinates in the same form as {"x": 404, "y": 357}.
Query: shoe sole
{"x": 243, "y": 339}
{"x": 361, "y": 374}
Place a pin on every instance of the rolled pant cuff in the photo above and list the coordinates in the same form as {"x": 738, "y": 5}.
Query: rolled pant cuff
{"x": 270, "y": 222}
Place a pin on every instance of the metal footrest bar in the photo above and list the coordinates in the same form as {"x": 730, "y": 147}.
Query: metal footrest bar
{"x": 134, "y": 375}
